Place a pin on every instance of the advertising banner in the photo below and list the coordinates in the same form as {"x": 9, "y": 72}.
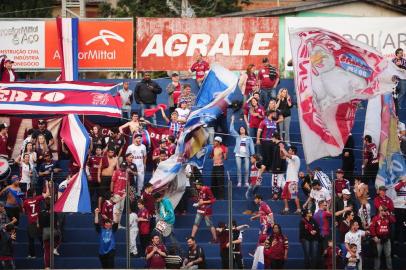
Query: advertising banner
{"x": 386, "y": 34}
{"x": 174, "y": 43}
{"x": 103, "y": 44}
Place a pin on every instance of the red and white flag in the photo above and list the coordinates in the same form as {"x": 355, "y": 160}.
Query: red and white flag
{"x": 332, "y": 74}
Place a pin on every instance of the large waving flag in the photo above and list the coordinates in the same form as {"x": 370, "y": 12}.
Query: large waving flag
{"x": 194, "y": 136}
{"x": 86, "y": 98}
{"x": 259, "y": 262}
{"x": 331, "y": 75}
{"x": 392, "y": 165}
{"x": 76, "y": 197}
{"x": 68, "y": 29}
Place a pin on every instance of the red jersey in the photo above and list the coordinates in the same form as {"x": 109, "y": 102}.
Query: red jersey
{"x": 94, "y": 164}
{"x": 107, "y": 209}
{"x": 171, "y": 149}
{"x": 156, "y": 261}
{"x": 254, "y": 121}
{"x": 266, "y": 81}
{"x": 205, "y": 194}
{"x": 119, "y": 180}
{"x": 144, "y": 226}
{"x": 200, "y": 68}
{"x": 279, "y": 245}
{"x": 341, "y": 184}
{"x": 254, "y": 179}
{"x": 380, "y": 226}
{"x": 265, "y": 213}
{"x": 3, "y": 145}
{"x": 31, "y": 208}
{"x": 251, "y": 83}
{"x": 371, "y": 154}
{"x": 149, "y": 202}
{"x": 386, "y": 201}
{"x": 157, "y": 151}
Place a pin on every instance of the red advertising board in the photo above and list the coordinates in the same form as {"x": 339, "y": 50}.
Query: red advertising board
{"x": 174, "y": 43}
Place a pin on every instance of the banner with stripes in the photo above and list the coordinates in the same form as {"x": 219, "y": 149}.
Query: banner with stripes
{"x": 68, "y": 29}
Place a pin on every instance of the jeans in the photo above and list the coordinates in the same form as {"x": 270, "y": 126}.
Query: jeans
{"x": 266, "y": 95}
{"x": 249, "y": 195}
{"x": 253, "y": 135}
{"x": 311, "y": 253}
{"x": 148, "y": 106}
{"x": 126, "y": 114}
{"x": 386, "y": 247}
{"x": 107, "y": 260}
{"x": 217, "y": 182}
{"x": 238, "y": 161}
{"x": 284, "y": 129}
{"x": 170, "y": 240}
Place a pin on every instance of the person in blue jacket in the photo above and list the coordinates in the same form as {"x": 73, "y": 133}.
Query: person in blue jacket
{"x": 244, "y": 148}
{"x": 107, "y": 248}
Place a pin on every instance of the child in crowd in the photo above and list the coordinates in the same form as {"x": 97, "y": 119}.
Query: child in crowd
{"x": 144, "y": 226}
{"x": 175, "y": 125}
{"x": 328, "y": 255}
{"x": 352, "y": 258}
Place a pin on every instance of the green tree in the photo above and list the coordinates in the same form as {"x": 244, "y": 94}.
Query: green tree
{"x": 26, "y": 8}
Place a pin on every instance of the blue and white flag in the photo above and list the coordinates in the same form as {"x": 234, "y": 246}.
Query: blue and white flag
{"x": 258, "y": 262}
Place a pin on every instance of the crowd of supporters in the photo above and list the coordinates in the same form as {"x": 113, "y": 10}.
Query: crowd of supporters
{"x": 367, "y": 221}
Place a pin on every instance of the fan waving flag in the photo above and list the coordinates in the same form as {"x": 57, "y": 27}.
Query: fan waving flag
{"x": 75, "y": 198}
{"x": 86, "y": 98}
{"x": 332, "y": 74}
{"x": 68, "y": 29}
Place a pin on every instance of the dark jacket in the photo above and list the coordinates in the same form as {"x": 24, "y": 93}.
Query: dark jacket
{"x": 146, "y": 92}
{"x": 6, "y": 244}
{"x": 305, "y": 227}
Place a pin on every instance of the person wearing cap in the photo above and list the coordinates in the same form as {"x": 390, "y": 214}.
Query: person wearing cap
{"x": 14, "y": 200}
{"x": 188, "y": 95}
{"x": 318, "y": 194}
{"x": 6, "y": 69}
{"x": 204, "y": 204}
{"x": 343, "y": 204}
{"x": 139, "y": 152}
{"x": 200, "y": 67}
{"x": 171, "y": 88}
{"x": 268, "y": 77}
{"x": 126, "y": 99}
{"x": 42, "y": 130}
{"x": 146, "y": 92}
{"x": 45, "y": 171}
{"x": 118, "y": 189}
{"x": 157, "y": 151}
{"x": 219, "y": 154}
{"x": 340, "y": 183}
{"x": 4, "y": 148}
{"x": 383, "y": 199}
{"x": 183, "y": 111}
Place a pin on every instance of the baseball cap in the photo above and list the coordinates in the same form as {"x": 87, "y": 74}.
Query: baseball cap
{"x": 175, "y": 74}
{"x": 383, "y": 188}
{"x": 218, "y": 138}
{"x": 346, "y": 192}
{"x": 14, "y": 178}
{"x": 3, "y": 126}
{"x": 41, "y": 121}
{"x": 339, "y": 171}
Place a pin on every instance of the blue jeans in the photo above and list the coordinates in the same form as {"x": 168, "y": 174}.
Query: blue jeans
{"x": 253, "y": 135}
{"x": 148, "y": 106}
{"x": 266, "y": 95}
{"x": 311, "y": 253}
{"x": 284, "y": 128}
{"x": 249, "y": 195}
{"x": 238, "y": 161}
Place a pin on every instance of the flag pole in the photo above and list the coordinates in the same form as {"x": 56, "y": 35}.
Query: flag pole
{"x": 230, "y": 221}
{"x": 127, "y": 221}
{"x": 52, "y": 221}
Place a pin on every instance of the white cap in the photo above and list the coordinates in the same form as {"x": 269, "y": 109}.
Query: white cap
{"x": 218, "y": 138}
{"x": 346, "y": 192}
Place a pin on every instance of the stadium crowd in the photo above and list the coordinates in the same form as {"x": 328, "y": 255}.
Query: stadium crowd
{"x": 367, "y": 221}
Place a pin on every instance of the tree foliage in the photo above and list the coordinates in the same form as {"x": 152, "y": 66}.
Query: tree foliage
{"x": 26, "y": 8}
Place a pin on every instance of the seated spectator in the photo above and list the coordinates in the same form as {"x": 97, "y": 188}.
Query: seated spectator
{"x": 107, "y": 248}
{"x": 195, "y": 255}
{"x": 155, "y": 254}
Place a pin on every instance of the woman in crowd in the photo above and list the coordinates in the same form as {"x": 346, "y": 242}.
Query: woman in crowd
{"x": 253, "y": 115}
{"x": 97, "y": 139}
{"x": 284, "y": 103}
{"x": 41, "y": 147}
{"x": 309, "y": 234}
{"x": 272, "y": 107}
{"x": 278, "y": 251}
{"x": 248, "y": 82}
{"x": 244, "y": 148}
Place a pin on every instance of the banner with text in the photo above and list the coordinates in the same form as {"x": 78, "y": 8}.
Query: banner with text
{"x": 103, "y": 44}
{"x": 174, "y": 43}
{"x": 386, "y": 34}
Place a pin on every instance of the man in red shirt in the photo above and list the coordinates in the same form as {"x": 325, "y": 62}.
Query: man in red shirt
{"x": 157, "y": 151}
{"x": 383, "y": 200}
{"x": 93, "y": 165}
{"x": 107, "y": 210}
{"x": 340, "y": 183}
{"x": 118, "y": 190}
{"x": 380, "y": 230}
{"x": 268, "y": 79}
{"x": 218, "y": 155}
{"x": 204, "y": 205}
{"x": 200, "y": 67}
{"x": 370, "y": 163}
{"x": 7, "y": 72}
{"x": 155, "y": 254}
{"x": 265, "y": 216}
{"x": 31, "y": 208}
{"x": 4, "y": 148}
{"x": 144, "y": 225}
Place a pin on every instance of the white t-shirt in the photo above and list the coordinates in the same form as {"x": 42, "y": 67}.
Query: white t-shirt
{"x": 182, "y": 114}
{"x": 319, "y": 195}
{"x": 25, "y": 173}
{"x": 125, "y": 97}
{"x": 12, "y": 77}
{"x": 292, "y": 172}
{"x": 139, "y": 152}
{"x": 352, "y": 264}
{"x": 354, "y": 238}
